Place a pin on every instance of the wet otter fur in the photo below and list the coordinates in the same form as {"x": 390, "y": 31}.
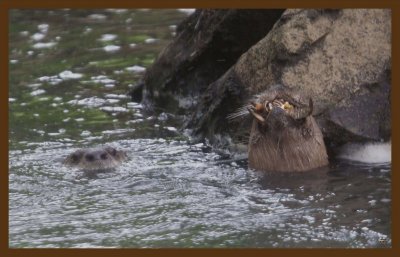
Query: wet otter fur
{"x": 284, "y": 136}
{"x": 93, "y": 159}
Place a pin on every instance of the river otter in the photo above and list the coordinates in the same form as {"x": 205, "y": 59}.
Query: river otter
{"x": 102, "y": 158}
{"x": 284, "y": 136}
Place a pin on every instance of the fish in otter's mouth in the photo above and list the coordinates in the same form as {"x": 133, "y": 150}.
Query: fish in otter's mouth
{"x": 284, "y": 136}
{"x": 288, "y": 105}
{"x": 91, "y": 159}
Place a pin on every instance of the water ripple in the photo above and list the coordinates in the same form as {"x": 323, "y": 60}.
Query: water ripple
{"x": 172, "y": 194}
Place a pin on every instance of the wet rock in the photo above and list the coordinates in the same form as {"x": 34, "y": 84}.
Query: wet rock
{"x": 207, "y": 44}
{"x": 340, "y": 58}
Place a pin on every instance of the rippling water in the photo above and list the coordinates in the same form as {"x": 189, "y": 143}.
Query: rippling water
{"x": 173, "y": 194}
{"x": 172, "y": 191}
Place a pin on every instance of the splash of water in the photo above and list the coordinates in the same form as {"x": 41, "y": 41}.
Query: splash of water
{"x": 367, "y": 153}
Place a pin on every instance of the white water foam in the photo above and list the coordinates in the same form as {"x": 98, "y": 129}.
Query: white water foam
{"x": 367, "y": 153}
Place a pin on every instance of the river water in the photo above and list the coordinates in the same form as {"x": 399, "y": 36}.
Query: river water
{"x": 70, "y": 71}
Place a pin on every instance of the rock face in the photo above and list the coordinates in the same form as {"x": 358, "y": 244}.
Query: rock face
{"x": 207, "y": 44}
{"x": 339, "y": 58}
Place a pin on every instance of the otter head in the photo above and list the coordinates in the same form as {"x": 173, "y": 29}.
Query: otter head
{"x": 104, "y": 158}
{"x": 277, "y": 110}
{"x": 284, "y": 135}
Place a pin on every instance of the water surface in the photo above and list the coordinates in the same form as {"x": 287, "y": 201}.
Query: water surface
{"x": 70, "y": 71}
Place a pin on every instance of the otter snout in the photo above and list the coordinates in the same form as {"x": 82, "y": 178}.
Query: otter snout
{"x": 95, "y": 158}
{"x": 275, "y": 114}
{"x": 278, "y": 119}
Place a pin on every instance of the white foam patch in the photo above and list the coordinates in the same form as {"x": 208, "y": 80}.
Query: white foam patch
{"x": 38, "y": 92}
{"x": 112, "y": 101}
{"x": 89, "y": 102}
{"x": 57, "y": 79}
{"x": 133, "y": 105}
{"x": 37, "y": 36}
{"x": 111, "y": 48}
{"x": 97, "y": 16}
{"x": 24, "y": 33}
{"x": 171, "y": 128}
{"x": 187, "y": 11}
{"x": 150, "y": 40}
{"x": 34, "y": 85}
{"x": 102, "y": 79}
{"x": 107, "y": 37}
{"x": 115, "y": 96}
{"x": 43, "y": 28}
{"x": 113, "y": 109}
{"x": 41, "y": 45}
{"x": 86, "y": 133}
{"x": 136, "y": 69}
{"x": 117, "y": 11}
{"x": 117, "y": 131}
{"x": 367, "y": 153}
{"x": 87, "y": 30}
{"x": 69, "y": 75}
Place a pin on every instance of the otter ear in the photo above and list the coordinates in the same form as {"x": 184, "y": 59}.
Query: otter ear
{"x": 111, "y": 150}
{"x": 76, "y": 156}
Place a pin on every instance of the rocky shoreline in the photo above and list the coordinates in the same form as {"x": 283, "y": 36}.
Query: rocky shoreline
{"x": 219, "y": 59}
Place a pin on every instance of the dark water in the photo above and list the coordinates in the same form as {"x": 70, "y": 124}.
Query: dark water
{"x": 171, "y": 192}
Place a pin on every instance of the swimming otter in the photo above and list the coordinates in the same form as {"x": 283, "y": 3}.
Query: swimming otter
{"x": 103, "y": 158}
{"x": 284, "y": 136}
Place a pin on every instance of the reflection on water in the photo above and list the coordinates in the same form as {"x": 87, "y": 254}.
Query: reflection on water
{"x": 70, "y": 92}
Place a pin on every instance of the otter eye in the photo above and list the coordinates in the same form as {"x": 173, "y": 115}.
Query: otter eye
{"x": 89, "y": 157}
{"x": 103, "y": 156}
{"x": 75, "y": 157}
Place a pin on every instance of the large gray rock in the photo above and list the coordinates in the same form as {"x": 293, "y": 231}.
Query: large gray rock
{"x": 207, "y": 44}
{"x": 340, "y": 58}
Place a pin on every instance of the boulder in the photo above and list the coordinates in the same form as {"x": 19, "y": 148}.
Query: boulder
{"x": 221, "y": 58}
{"x": 206, "y": 45}
{"x": 339, "y": 58}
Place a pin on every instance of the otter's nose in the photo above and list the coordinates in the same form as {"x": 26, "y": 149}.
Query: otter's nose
{"x": 90, "y": 157}
{"x": 94, "y": 156}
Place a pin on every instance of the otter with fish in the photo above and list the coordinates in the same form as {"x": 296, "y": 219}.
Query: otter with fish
{"x": 284, "y": 135}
